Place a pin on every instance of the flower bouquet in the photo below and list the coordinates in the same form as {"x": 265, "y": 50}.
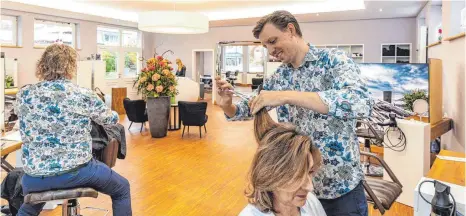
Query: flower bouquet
{"x": 157, "y": 79}
{"x": 157, "y": 84}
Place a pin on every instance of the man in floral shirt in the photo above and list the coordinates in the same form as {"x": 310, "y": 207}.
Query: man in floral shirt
{"x": 321, "y": 92}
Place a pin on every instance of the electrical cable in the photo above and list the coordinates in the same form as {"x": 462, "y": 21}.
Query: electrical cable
{"x": 454, "y": 201}
{"x": 398, "y": 147}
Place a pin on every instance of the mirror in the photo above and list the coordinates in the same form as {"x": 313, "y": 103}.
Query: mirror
{"x": 9, "y": 81}
{"x": 420, "y": 107}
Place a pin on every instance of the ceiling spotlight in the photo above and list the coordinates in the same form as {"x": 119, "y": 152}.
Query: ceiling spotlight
{"x": 317, "y": 14}
{"x": 380, "y": 9}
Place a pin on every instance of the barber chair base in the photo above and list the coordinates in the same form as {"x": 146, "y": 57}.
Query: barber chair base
{"x": 72, "y": 208}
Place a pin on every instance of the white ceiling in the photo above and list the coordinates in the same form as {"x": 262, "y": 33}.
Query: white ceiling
{"x": 390, "y": 8}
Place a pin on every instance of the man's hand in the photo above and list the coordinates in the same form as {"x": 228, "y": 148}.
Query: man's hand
{"x": 268, "y": 98}
{"x": 226, "y": 97}
{"x": 225, "y": 101}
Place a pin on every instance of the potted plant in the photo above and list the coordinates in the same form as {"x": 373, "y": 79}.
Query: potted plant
{"x": 411, "y": 96}
{"x": 157, "y": 84}
{"x": 9, "y": 82}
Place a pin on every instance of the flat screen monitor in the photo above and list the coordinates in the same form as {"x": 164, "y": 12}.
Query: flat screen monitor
{"x": 390, "y": 82}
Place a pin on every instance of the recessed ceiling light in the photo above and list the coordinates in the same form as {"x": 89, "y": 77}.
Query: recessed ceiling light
{"x": 317, "y": 14}
{"x": 380, "y": 9}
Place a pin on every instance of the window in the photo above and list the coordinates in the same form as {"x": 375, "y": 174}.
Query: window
{"x": 233, "y": 58}
{"x": 120, "y": 49}
{"x": 244, "y": 58}
{"x": 108, "y": 37}
{"x": 49, "y": 32}
{"x": 8, "y": 30}
{"x": 256, "y": 58}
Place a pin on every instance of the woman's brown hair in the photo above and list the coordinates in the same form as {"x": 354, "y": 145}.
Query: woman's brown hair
{"x": 57, "y": 62}
{"x": 282, "y": 159}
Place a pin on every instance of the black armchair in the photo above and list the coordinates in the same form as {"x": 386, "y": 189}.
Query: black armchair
{"x": 136, "y": 111}
{"x": 193, "y": 114}
{"x": 256, "y": 82}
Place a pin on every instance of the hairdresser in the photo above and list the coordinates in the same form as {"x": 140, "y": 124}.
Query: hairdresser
{"x": 320, "y": 91}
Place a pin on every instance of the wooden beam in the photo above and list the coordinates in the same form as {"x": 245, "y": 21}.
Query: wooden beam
{"x": 435, "y": 91}
{"x": 454, "y": 37}
{"x": 434, "y": 44}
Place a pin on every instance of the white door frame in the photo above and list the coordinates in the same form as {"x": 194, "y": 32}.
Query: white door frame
{"x": 195, "y": 76}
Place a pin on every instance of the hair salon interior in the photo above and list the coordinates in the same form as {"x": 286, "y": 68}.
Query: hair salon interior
{"x": 175, "y": 150}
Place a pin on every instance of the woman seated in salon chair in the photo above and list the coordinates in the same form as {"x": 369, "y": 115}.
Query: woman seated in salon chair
{"x": 55, "y": 118}
{"x": 280, "y": 178}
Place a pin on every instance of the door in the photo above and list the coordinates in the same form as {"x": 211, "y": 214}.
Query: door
{"x": 120, "y": 49}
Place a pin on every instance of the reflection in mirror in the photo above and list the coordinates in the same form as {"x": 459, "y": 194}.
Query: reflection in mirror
{"x": 9, "y": 78}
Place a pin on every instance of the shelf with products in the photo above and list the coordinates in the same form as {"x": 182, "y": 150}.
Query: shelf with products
{"x": 396, "y": 53}
{"x": 354, "y": 51}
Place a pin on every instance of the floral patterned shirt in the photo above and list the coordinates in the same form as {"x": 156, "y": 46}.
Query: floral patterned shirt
{"x": 55, "y": 124}
{"x": 336, "y": 79}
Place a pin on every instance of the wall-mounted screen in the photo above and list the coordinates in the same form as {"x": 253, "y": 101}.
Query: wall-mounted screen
{"x": 390, "y": 82}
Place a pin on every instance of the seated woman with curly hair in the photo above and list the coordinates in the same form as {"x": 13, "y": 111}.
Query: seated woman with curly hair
{"x": 55, "y": 123}
{"x": 281, "y": 171}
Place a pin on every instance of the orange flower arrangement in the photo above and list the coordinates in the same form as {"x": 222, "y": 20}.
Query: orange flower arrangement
{"x": 156, "y": 79}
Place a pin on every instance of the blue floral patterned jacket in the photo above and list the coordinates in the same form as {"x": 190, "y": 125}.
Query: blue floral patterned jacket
{"x": 336, "y": 79}
{"x": 55, "y": 124}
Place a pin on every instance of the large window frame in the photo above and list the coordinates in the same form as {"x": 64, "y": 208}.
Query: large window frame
{"x": 244, "y": 60}
{"x": 121, "y": 50}
{"x": 14, "y": 31}
{"x": 56, "y": 23}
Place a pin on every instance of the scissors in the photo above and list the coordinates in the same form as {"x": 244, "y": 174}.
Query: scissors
{"x": 243, "y": 96}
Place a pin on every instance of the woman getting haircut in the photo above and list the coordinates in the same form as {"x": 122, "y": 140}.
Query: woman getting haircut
{"x": 280, "y": 177}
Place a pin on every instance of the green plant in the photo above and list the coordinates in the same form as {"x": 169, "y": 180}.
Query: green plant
{"x": 110, "y": 61}
{"x": 130, "y": 60}
{"x": 410, "y": 97}
{"x": 9, "y": 81}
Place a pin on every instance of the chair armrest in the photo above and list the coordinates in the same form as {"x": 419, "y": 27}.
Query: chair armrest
{"x": 384, "y": 165}
{"x": 372, "y": 129}
{"x": 110, "y": 153}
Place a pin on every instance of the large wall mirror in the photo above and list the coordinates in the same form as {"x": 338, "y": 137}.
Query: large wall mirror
{"x": 9, "y": 80}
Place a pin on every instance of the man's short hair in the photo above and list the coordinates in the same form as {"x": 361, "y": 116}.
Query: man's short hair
{"x": 279, "y": 19}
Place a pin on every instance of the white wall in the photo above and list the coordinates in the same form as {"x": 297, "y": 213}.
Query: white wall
{"x": 452, "y": 54}
{"x": 371, "y": 33}
{"x": 455, "y": 17}
{"x": 453, "y": 60}
{"x": 28, "y": 55}
{"x": 434, "y": 18}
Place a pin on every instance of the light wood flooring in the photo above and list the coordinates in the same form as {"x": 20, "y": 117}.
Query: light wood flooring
{"x": 191, "y": 175}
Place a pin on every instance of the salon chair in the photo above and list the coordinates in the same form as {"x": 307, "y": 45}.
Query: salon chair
{"x": 381, "y": 193}
{"x": 370, "y": 136}
{"x": 70, "y": 196}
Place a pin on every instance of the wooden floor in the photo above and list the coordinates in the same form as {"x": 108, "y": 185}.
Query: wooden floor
{"x": 191, "y": 175}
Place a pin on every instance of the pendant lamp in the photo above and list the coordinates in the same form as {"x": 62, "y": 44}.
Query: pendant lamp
{"x": 173, "y": 22}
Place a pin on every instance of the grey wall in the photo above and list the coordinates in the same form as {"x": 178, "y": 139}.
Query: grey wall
{"x": 28, "y": 55}
{"x": 371, "y": 33}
